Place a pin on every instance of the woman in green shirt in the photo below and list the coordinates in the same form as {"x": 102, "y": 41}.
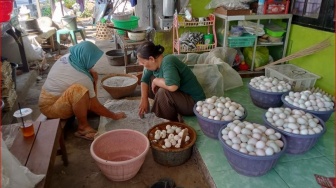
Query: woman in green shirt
{"x": 168, "y": 81}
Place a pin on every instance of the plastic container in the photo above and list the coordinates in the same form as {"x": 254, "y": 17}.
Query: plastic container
{"x": 242, "y": 41}
{"x": 122, "y": 16}
{"x": 130, "y": 24}
{"x": 211, "y": 127}
{"x": 249, "y": 165}
{"x": 265, "y": 99}
{"x": 24, "y": 115}
{"x": 69, "y": 22}
{"x": 120, "y": 153}
{"x": 323, "y": 115}
{"x": 6, "y": 7}
{"x": 297, "y": 143}
{"x": 275, "y": 33}
{"x": 118, "y": 92}
{"x": 298, "y": 78}
{"x": 276, "y": 7}
{"x": 137, "y": 36}
{"x": 171, "y": 156}
{"x": 116, "y": 57}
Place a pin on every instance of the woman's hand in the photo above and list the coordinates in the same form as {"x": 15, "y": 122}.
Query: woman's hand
{"x": 119, "y": 115}
{"x": 143, "y": 107}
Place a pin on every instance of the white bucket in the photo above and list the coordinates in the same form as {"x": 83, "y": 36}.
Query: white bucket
{"x": 69, "y": 22}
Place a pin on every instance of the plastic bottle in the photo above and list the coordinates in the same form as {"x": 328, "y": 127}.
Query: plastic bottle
{"x": 260, "y": 6}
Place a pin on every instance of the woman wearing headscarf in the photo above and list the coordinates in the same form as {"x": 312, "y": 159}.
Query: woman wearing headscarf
{"x": 70, "y": 89}
{"x": 168, "y": 81}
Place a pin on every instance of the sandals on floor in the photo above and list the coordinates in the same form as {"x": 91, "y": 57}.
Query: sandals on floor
{"x": 86, "y": 135}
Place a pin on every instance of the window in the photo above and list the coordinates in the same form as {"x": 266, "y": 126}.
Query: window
{"x": 317, "y": 14}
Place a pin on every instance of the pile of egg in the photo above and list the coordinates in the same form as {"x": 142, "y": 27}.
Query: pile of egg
{"x": 252, "y": 138}
{"x": 172, "y": 136}
{"x": 293, "y": 121}
{"x": 269, "y": 84}
{"x": 310, "y": 101}
{"x": 220, "y": 108}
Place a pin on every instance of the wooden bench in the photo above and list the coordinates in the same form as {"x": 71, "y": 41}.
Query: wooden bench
{"x": 38, "y": 152}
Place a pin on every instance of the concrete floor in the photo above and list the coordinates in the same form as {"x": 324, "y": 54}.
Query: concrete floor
{"x": 82, "y": 170}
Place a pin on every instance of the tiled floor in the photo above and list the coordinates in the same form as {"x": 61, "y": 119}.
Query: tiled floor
{"x": 292, "y": 171}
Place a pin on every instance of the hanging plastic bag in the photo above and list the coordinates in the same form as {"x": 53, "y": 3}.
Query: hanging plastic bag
{"x": 14, "y": 174}
{"x": 213, "y": 70}
{"x": 261, "y": 56}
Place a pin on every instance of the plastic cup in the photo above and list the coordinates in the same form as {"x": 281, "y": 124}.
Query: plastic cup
{"x": 28, "y": 129}
{"x": 24, "y": 118}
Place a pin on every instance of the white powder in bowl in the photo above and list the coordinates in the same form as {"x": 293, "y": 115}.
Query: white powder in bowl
{"x": 119, "y": 81}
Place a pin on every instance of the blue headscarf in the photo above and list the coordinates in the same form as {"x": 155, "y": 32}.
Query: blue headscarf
{"x": 84, "y": 56}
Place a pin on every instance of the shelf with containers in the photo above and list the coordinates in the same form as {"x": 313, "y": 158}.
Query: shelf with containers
{"x": 196, "y": 40}
{"x": 276, "y": 45}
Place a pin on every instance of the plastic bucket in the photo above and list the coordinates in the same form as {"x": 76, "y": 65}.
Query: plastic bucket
{"x": 69, "y": 22}
{"x": 130, "y": 24}
{"x": 116, "y": 57}
{"x": 120, "y": 153}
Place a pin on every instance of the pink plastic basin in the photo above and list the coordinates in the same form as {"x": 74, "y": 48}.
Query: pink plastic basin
{"x": 120, "y": 153}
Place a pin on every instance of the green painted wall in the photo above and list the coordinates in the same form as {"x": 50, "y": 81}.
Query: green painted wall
{"x": 321, "y": 63}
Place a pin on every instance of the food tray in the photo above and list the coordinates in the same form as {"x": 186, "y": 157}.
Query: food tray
{"x": 299, "y": 79}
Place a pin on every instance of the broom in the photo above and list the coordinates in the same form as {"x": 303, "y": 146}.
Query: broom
{"x": 315, "y": 48}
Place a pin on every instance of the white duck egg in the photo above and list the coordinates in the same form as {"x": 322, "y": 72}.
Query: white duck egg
{"x": 260, "y": 152}
{"x": 235, "y": 146}
{"x": 210, "y": 100}
{"x": 260, "y": 144}
{"x": 237, "y": 129}
{"x": 250, "y": 147}
{"x": 211, "y": 106}
{"x": 213, "y": 112}
{"x": 239, "y": 113}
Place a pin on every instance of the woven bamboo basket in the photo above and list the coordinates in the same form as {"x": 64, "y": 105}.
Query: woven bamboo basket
{"x": 103, "y": 32}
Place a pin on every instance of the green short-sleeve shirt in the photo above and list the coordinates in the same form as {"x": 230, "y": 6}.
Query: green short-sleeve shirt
{"x": 175, "y": 72}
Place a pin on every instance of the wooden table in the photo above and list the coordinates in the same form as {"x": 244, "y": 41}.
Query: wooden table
{"x": 126, "y": 45}
{"x": 38, "y": 152}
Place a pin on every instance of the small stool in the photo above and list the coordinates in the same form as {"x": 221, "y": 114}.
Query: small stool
{"x": 72, "y": 36}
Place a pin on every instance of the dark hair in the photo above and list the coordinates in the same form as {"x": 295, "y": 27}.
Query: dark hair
{"x": 148, "y": 49}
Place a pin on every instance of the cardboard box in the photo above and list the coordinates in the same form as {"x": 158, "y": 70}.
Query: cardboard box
{"x": 222, "y": 10}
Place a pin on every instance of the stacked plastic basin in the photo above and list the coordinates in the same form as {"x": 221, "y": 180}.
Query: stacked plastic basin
{"x": 131, "y": 23}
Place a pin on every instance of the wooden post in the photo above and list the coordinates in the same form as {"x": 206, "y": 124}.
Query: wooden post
{"x": 52, "y": 6}
{"x": 38, "y": 7}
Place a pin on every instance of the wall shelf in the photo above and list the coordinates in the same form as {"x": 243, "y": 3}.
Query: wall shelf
{"x": 223, "y": 26}
{"x": 199, "y": 47}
